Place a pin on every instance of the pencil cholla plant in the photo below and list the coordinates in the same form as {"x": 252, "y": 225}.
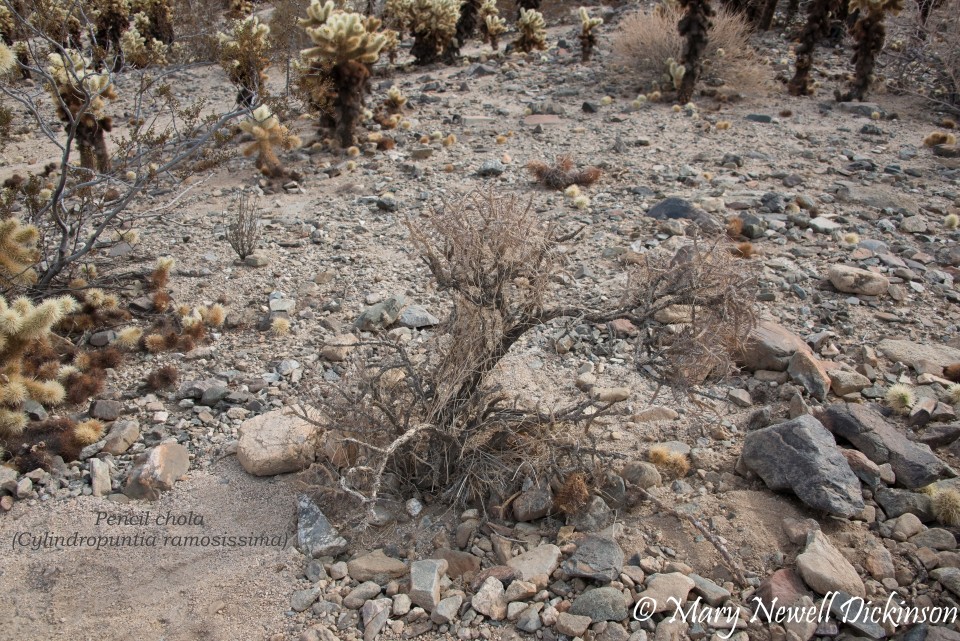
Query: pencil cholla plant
{"x": 533, "y": 31}
{"x": 345, "y": 45}
{"x": 18, "y": 253}
{"x": 159, "y": 20}
{"x": 398, "y": 14}
{"x": 137, "y": 50}
{"x": 244, "y": 55}
{"x": 434, "y": 27}
{"x": 23, "y": 326}
{"x": 112, "y": 19}
{"x": 588, "y": 39}
{"x": 693, "y": 27}
{"x": 268, "y": 135}
{"x": 492, "y": 26}
{"x": 869, "y": 33}
{"x": 79, "y": 93}
{"x": 443, "y": 424}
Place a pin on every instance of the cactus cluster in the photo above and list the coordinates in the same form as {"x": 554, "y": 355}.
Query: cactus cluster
{"x": 492, "y": 26}
{"x": 23, "y": 328}
{"x": 869, "y": 33}
{"x": 111, "y": 20}
{"x": 18, "y": 252}
{"x": 588, "y": 39}
{"x": 675, "y": 73}
{"x": 345, "y": 45}
{"x": 268, "y": 135}
{"x": 533, "y": 31}
{"x": 244, "y": 56}
{"x": 434, "y": 25}
{"x": 139, "y": 49}
{"x": 59, "y": 21}
{"x": 815, "y": 29}
{"x": 79, "y": 93}
{"x": 159, "y": 20}
{"x": 466, "y": 26}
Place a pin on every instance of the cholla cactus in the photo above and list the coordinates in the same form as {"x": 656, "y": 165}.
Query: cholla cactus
{"x": 533, "y": 31}
{"x": 111, "y": 21}
{"x": 18, "y": 252}
{"x": 240, "y": 9}
{"x": 434, "y": 27}
{"x": 159, "y": 25}
{"x": 244, "y": 56}
{"x": 23, "y": 327}
{"x": 492, "y": 26}
{"x": 816, "y": 27}
{"x": 399, "y": 15}
{"x": 869, "y": 33}
{"x": 395, "y": 100}
{"x": 268, "y": 134}
{"x": 57, "y": 19}
{"x": 7, "y": 25}
{"x": 675, "y": 73}
{"x": 79, "y": 93}
{"x": 693, "y": 28}
{"x": 344, "y": 48}
{"x": 137, "y": 50}
{"x": 317, "y": 14}
{"x": 588, "y": 39}
{"x": 8, "y": 60}
{"x": 466, "y": 26}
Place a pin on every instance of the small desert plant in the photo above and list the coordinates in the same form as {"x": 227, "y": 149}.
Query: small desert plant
{"x": 946, "y": 506}
{"x": 671, "y": 464}
{"x": 345, "y": 45}
{"x": 645, "y": 42}
{"x": 157, "y": 22}
{"x": 528, "y": 5}
{"x": 533, "y": 31}
{"x": 588, "y": 39}
{"x": 492, "y": 26}
{"x": 268, "y": 134}
{"x": 939, "y": 138}
{"x": 573, "y": 495}
{"x": 162, "y": 378}
{"x": 434, "y": 26}
{"x": 243, "y": 233}
{"x": 900, "y": 398}
{"x": 869, "y": 33}
{"x": 561, "y": 174}
{"x": 244, "y": 56}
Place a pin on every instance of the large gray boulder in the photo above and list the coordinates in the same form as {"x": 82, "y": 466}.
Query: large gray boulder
{"x": 801, "y": 456}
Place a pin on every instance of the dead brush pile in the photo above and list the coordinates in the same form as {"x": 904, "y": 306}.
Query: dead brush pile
{"x": 437, "y": 423}
{"x": 647, "y": 40}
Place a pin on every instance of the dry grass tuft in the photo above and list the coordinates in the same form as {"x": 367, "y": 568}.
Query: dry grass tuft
{"x": 562, "y": 174}
{"x": 646, "y": 40}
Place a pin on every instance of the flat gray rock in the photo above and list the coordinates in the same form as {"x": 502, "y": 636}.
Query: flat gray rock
{"x": 914, "y": 464}
{"x": 598, "y": 558}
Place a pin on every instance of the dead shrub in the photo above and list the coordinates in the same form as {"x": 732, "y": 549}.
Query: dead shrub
{"x": 646, "y": 40}
{"x": 562, "y": 174}
{"x": 437, "y": 423}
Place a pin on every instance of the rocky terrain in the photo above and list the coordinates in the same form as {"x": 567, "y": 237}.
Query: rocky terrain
{"x": 806, "y": 486}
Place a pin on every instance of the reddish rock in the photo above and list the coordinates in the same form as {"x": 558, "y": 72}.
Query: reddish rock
{"x": 781, "y": 589}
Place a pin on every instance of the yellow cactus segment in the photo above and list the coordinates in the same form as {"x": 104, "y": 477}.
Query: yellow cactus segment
{"x": 317, "y": 14}
{"x": 344, "y": 37}
{"x": 18, "y": 252}
{"x": 587, "y": 22}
